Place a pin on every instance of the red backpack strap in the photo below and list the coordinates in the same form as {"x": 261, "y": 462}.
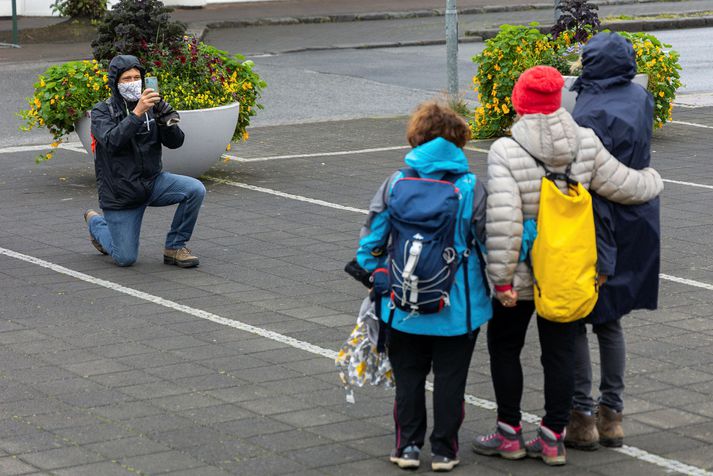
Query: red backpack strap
{"x": 94, "y": 143}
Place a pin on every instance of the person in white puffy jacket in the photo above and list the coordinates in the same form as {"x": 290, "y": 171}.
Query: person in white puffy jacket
{"x": 546, "y": 132}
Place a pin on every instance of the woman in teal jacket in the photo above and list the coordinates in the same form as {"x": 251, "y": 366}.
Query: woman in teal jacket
{"x": 444, "y": 340}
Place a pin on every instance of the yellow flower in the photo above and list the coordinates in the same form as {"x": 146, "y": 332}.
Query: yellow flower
{"x": 42, "y": 82}
{"x": 55, "y": 144}
{"x": 661, "y": 94}
{"x": 505, "y": 109}
{"x": 51, "y": 101}
{"x": 229, "y": 146}
{"x": 246, "y": 136}
{"x": 48, "y": 155}
{"x": 37, "y": 102}
{"x": 497, "y": 67}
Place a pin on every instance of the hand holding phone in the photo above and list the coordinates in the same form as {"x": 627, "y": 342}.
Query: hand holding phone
{"x": 151, "y": 82}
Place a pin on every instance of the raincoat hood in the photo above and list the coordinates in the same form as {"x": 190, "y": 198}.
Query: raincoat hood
{"x": 119, "y": 64}
{"x": 550, "y": 138}
{"x": 435, "y": 158}
{"x": 608, "y": 59}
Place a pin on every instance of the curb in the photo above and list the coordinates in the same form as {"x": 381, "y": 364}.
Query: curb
{"x": 625, "y": 25}
{"x": 400, "y": 15}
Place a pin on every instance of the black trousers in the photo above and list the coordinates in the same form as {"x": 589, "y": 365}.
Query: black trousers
{"x": 506, "y": 337}
{"x": 412, "y": 357}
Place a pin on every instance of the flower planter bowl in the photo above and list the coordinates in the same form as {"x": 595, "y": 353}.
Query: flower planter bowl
{"x": 570, "y": 97}
{"x": 208, "y": 132}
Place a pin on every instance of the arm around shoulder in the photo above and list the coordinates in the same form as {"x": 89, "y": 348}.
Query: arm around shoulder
{"x": 616, "y": 182}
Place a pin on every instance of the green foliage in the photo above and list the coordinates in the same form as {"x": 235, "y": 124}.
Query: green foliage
{"x": 517, "y": 48}
{"x": 92, "y": 9}
{"x": 63, "y": 93}
{"x": 132, "y": 25}
{"x": 197, "y": 76}
{"x": 505, "y": 57}
{"x": 661, "y": 64}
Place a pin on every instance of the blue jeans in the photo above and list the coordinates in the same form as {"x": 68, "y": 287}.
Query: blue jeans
{"x": 118, "y": 230}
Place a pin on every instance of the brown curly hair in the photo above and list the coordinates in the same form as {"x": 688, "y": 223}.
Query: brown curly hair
{"x": 433, "y": 119}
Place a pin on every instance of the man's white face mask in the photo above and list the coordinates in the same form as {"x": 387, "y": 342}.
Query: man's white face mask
{"x": 130, "y": 91}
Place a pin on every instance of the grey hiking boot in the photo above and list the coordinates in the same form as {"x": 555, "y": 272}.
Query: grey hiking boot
{"x": 582, "y": 433}
{"x": 88, "y": 215}
{"x": 408, "y": 458}
{"x": 181, "y": 257}
{"x": 549, "y": 446}
{"x": 443, "y": 463}
{"x": 506, "y": 441}
{"x": 611, "y": 434}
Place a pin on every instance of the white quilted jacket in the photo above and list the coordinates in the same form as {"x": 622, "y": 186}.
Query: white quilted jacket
{"x": 514, "y": 180}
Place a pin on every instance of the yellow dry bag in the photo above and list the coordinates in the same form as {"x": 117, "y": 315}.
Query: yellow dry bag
{"x": 564, "y": 255}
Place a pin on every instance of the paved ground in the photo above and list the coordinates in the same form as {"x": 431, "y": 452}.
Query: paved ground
{"x": 227, "y": 369}
{"x": 98, "y": 378}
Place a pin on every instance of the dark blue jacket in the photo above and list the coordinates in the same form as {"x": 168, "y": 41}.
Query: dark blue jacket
{"x": 622, "y": 115}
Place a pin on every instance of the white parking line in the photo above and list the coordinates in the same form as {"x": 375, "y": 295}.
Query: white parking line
{"x": 337, "y": 206}
{"x": 669, "y": 464}
{"x": 692, "y": 124}
{"x": 690, "y": 184}
{"x": 318, "y": 154}
{"x": 74, "y": 146}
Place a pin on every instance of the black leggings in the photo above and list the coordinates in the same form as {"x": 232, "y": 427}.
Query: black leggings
{"x": 506, "y": 337}
{"x": 411, "y": 357}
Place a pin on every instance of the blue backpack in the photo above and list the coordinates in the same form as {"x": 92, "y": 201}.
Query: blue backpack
{"x": 422, "y": 257}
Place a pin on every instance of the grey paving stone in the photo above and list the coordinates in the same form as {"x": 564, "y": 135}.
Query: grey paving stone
{"x": 157, "y": 463}
{"x": 668, "y": 418}
{"x": 288, "y": 441}
{"x": 61, "y": 457}
{"x": 310, "y": 417}
{"x": 247, "y": 427}
{"x": 11, "y": 465}
{"x": 132, "y": 446}
{"x": 104, "y": 469}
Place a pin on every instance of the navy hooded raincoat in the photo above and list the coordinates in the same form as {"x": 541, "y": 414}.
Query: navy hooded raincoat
{"x": 621, "y": 114}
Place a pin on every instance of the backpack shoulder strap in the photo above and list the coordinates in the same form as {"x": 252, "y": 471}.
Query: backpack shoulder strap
{"x": 453, "y": 177}
{"x": 564, "y": 176}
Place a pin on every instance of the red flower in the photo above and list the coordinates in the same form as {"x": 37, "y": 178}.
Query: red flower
{"x": 183, "y": 59}
{"x": 158, "y": 63}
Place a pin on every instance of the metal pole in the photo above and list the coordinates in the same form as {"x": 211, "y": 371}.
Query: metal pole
{"x": 14, "y": 23}
{"x": 452, "y": 48}
{"x": 558, "y": 10}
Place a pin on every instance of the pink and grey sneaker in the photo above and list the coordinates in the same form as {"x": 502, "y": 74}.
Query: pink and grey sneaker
{"x": 549, "y": 446}
{"x": 506, "y": 441}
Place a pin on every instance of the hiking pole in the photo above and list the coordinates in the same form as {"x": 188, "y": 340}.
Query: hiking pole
{"x": 452, "y": 48}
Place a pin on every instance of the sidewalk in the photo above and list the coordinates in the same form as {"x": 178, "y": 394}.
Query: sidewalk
{"x": 406, "y": 24}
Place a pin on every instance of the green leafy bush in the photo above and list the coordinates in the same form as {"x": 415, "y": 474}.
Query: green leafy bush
{"x": 132, "y": 25}
{"x": 517, "y": 48}
{"x": 92, "y": 9}
{"x": 63, "y": 93}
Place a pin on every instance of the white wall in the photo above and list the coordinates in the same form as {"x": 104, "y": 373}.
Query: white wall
{"x": 43, "y": 7}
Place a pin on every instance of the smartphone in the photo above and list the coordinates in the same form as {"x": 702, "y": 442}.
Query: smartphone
{"x": 151, "y": 82}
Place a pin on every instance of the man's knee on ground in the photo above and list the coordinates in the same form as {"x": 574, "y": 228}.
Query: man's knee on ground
{"x": 124, "y": 261}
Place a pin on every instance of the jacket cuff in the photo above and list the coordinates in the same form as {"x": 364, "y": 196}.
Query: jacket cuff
{"x": 501, "y": 288}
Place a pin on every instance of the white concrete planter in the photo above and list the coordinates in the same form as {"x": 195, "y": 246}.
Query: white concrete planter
{"x": 570, "y": 97}
{"x": 208, "y": 132}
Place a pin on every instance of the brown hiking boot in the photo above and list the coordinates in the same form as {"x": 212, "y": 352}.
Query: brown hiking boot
{"x": 582, "y": 433}
{"x": 611, "y": 433}
{"x": 181, "y": 257}
{"x": 87, "y": 216}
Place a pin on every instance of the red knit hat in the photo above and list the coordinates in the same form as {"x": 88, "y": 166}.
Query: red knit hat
{"x": 538, "y": 90}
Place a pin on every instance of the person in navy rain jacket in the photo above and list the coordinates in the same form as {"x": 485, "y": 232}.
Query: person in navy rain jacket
{"x": 621, "y": 113}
